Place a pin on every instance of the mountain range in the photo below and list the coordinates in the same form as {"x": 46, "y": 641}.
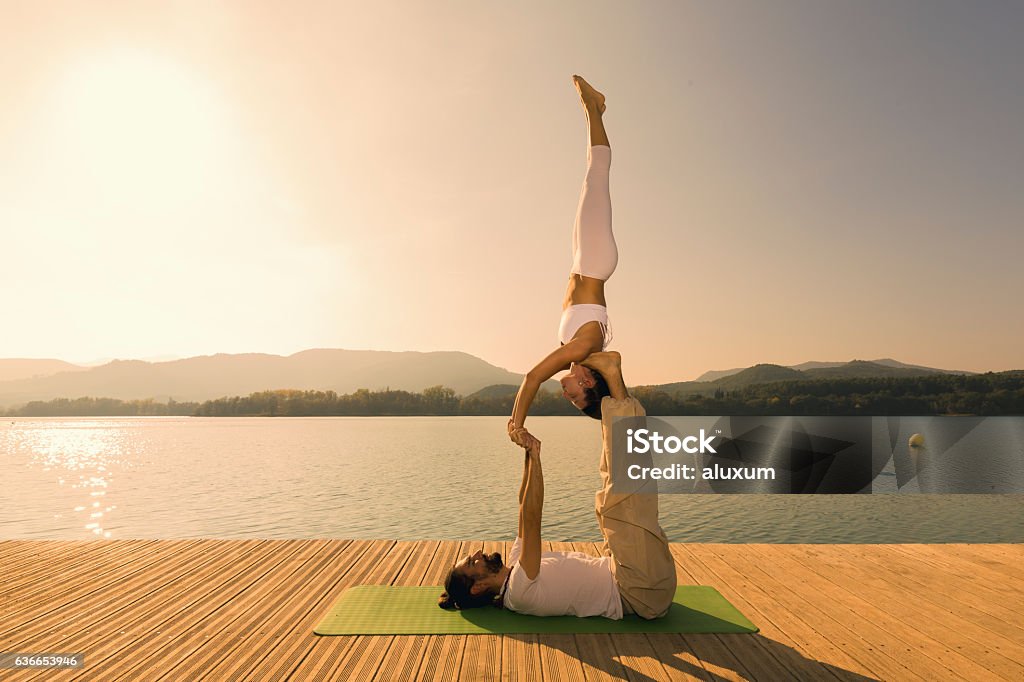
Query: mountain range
{"x": 345, "y": 371}
{"x": 808, "y": 371}
{"x": 216, "y": 376}
{"x": 716, "y": 374}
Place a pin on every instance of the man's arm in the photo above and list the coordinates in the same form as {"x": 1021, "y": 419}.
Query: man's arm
{"x": 522, "y": 490}
{"x": 530, "y": 512}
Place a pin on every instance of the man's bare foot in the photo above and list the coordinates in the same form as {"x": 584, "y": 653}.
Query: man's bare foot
{"x": 607, "y": 362}
{"x": 589, "y": 96}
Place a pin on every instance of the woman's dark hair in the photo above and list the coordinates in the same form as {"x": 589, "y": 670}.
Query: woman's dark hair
{"x": 594, "y": 395}
{"x": 457, "y": 594}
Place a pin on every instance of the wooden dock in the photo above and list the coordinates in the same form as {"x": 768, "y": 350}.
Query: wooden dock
{"x": 246, "y": 609}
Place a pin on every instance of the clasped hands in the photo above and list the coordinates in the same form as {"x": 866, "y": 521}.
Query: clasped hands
{"x": 521, "y": 437}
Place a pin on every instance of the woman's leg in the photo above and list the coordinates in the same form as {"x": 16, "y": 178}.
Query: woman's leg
{"x": 593, "y": 244}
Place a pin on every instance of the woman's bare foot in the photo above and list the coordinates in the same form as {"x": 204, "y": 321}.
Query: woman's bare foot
{"x": 590, "y": 97}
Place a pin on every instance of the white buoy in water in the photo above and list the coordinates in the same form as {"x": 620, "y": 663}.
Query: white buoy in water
{"x": 917, "y": 452}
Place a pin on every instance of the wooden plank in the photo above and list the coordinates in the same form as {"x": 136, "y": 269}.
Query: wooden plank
{"x": 127, "y": 611}
{"x": 405, "y": 653}
{"x": 38, "y": 574}
{"x": 242, "y": 613}
{"x": 442, "y": 659}
{"x": 520, "y": 658}
{"x": 361, "y": 661}
{"x": 520, "y": 654}
{"x": 53, "y": 601}
{"x": 931, "y": 584}
{"x": 589, "y": 548}
{"x": 304, "y": 648}
{"x": 481, "y": 654}
{"x": 998, "y": 654}
{"x": 364, "y": 653}
{"x": 992, "y": 560}
{"x": 154, "y": 627}
{"x": 403, "y": 658}
{"x": 442, "y": 561}
{"x": 771, "y": 652}
{"x": 236, "y": 610}
{"x": 481, "y": 658}
{"x": 598, "y": 657}
{"x": 999, "y": 580}
{"x": 1008, "y": 554}
{"x": 442, "y": 654}
{"x": 12, "y": 552}
{"x": 560, "y": 658}
{"x": 199, "y": 590}
{"x": 187, "y": 634}
{"x": 276, "y": 615}
{"x": 946, "y": 558}
{"x": 678, "y": 658}
{"x": 927, "y": 655}
{"x": 638, "y": 658}
{"x": 837, "y": 622}
{"x": 421, "y": 554}
{"x": 785, "y": 625}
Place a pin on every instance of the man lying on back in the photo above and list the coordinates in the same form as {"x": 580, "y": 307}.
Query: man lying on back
{"x": 635, "y": 574}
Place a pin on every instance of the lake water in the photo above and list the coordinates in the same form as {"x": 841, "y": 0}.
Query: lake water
{"x": 401, "y": 478}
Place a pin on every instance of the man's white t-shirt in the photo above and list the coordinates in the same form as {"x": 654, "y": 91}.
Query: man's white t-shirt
{"x": 568, "y": 584}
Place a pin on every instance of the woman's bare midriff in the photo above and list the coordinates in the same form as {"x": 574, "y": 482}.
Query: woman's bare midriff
{"x": 582, "y": 289}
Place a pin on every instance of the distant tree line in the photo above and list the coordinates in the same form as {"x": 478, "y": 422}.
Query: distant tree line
{"x": 103, "y": 407}
{"x": 980, "y": 394}
{"x": 436, "y": 400}
{"x": 988, "y": 394}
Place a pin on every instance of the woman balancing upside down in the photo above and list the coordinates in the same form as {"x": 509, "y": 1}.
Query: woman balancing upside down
{"x": 584, "y": 328}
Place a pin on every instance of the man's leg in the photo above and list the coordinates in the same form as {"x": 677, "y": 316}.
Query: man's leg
{"x": 644, "y": 569}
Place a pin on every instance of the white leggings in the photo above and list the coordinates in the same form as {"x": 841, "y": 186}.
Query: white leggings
{"x": 594, "y": 253}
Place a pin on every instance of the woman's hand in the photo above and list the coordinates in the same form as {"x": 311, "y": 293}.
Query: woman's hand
{"x": 522, "y": 437}
{"x": 519, "y": 435}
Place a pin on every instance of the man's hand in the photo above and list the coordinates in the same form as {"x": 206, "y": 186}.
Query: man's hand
{"x": 531, "y": 444}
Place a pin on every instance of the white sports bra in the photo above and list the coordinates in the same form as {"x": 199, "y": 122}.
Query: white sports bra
{"x": 575, "y": 316}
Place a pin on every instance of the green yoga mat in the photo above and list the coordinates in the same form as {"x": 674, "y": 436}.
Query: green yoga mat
{"x": 387, "y": 610}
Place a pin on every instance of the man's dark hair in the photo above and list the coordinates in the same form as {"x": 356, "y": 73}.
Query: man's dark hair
{"x": 457, "y": 594}
{"x": 593, "y": 396}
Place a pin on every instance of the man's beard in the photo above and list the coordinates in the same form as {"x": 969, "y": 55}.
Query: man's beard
{"x": 493, "y": 562}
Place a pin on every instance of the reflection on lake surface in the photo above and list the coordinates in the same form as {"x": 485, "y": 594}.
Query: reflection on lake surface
{"x": 402, "y": 478}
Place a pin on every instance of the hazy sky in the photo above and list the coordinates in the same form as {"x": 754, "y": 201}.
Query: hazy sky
{"x": 791, "y": 181}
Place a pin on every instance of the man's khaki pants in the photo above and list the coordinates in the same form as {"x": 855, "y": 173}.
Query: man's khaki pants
{"x": 644, "y": 569}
